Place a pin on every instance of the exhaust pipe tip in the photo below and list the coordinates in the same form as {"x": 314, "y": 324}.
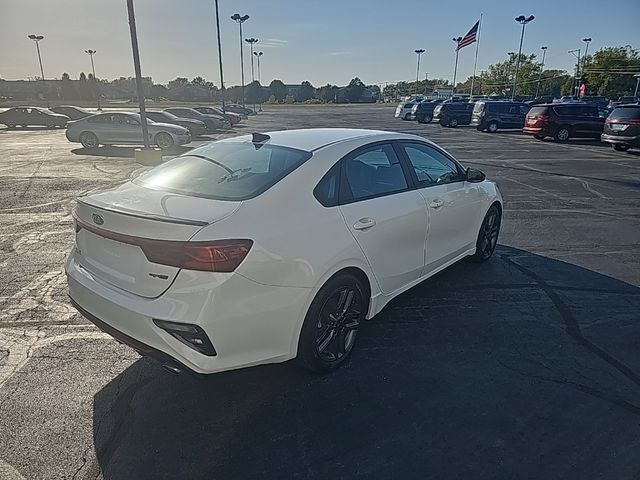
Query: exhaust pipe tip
{"x": 172, "y": 368}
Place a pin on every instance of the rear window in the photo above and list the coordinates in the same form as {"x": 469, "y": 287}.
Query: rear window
{"x": 538, "y": 111}
{"x": 225, "y": 171}
{"x": 625, "y": 113}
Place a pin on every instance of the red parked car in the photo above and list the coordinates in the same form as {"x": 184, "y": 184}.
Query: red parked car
{"x": 565, "y": 120}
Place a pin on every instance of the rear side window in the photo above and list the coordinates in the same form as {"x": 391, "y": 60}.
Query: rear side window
{"x": 373, "y": 172}
{"x": 328, "y": 189}
{"x": 564, "y": 111}
{"x": 538, "y": 111}
{"x": 479, "y": 106}
{"x": 100, "y": 119}
{"x": 626, "y": 113}
{"x": 225, "y": 171}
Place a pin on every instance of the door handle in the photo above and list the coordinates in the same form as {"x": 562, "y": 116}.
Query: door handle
{"x": 364, "y": 223}
{"x": 437, "y": 203}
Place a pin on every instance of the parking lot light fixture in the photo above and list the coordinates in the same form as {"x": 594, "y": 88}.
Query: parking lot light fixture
{"x": 91, "y": 53}
{"x": 455, "y": 69}
{"x": 251, "y": 41}
{"x": 258, "y": 55}
{"x": 36, "y": 39}
{"x": 544, "y": 53}
{"x": 522, "y": 20}
{"x": 222, "y": 92}
{"x": 240, "y": 19}
{"x": 586, "y": 51}
{"x": 576, "y": 53}
{"x": 419, "y": 52}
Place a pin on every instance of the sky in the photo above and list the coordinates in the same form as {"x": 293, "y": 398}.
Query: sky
{"x": 322, "y": 41}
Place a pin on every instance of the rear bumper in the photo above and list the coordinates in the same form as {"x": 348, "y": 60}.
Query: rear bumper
{"x": 633, "y": 141}
{"x": 248, "y": 323}
{"x": 535, "y": 131}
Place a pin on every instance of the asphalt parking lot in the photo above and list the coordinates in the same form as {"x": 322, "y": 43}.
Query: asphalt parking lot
{"x": 525, "y": 367}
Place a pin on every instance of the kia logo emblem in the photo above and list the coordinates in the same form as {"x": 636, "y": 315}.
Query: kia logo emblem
{"x": 97, "y": 219}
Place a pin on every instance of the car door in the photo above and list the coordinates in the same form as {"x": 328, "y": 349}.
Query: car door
{"x": 454, "y": 205}
{"x": 387, "y": 219}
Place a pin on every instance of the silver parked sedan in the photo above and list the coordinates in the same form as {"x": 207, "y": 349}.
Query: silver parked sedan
{"x": 124, "y": 128}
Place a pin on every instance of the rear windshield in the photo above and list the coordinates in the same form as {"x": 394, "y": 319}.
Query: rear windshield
{"x": 225, "y": 171}
{"x": 625, "y": 113}
{"x": 538, "y": 111}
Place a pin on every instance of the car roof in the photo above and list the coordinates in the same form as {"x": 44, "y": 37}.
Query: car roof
{"x": 311, "y": 139}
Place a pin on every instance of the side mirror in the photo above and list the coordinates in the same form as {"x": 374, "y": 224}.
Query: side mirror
{"x": 475, "y": 176}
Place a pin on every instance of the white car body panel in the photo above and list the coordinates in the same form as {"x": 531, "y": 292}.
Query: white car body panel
{"x": 255, "y": 314}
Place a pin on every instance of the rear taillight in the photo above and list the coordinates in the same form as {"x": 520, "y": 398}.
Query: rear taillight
{"x": 215, "y": 256}
{"x": 542, "y": 118}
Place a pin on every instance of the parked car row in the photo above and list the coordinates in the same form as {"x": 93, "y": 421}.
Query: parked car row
{"x": 560, "y": 120}
{"x": 166, "y": 128}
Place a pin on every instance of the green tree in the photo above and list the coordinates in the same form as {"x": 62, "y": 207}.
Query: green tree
{"x": 289, "y": 99}
{"x": 278, "y": 89}
{"x": 199, "y": 81}
{"x": 255, "y": 93}
{"x": 355, "y": 89}
{"x": 178, "y": 82}
{"x": 306, "y": 92}
{"x": 83, "y": 87}
{"x": 326, "y": 93}
{"x": 609, "y": 71}
{"x": 68, "y": 89}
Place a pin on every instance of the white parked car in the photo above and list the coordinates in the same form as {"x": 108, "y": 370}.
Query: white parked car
{"x": 403, "y": 110}
{"x": 264, "y": 248}
{"x": 124, "y": 128}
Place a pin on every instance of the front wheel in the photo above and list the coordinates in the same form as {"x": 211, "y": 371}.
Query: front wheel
{"x": 427, "y": 119}
{"x": 538, "y": 137}
{"x": 89, "y": 140}
{"x": 331, "y": 326}
{"x": 453, "y": 122}
{"x": 164, "y": 140}
{"x": 488, "y": 235}
{"x": 407, "y": 116}
{"x": 492, "y": 127}
{"x": 620, "y": 148}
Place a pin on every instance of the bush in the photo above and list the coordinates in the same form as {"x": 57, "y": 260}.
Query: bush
{"x": 289, "y": 99}
{"x": 313, "y": 101}
{"x": 272, "y": 99}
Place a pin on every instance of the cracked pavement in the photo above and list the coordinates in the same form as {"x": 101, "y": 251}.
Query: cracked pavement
{"x": 524, "y": 367}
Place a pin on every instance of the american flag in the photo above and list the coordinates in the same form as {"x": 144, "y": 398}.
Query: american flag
{"x": 470, "y": 37}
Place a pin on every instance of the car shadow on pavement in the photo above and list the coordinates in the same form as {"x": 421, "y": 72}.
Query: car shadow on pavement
{"x": 125, "y": 152}
{"x": 522, "y": 367}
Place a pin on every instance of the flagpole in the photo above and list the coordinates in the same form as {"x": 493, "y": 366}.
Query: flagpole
{"x": 455, "y": 69}
{"x": 475, "y": 62}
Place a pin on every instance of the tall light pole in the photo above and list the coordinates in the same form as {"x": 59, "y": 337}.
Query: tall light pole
{"x": 511, "y": 54}
{"x": 455, "y": 69}
{"x": 419, "y": 52}
{"x": 576, "y": 53}
{"x": 258, "y": 55}
{"x": 544, "y": 53}
{"x": 37, "y": 38}
{"x": 586, "y": 50}
{"x": 240, "y": 19}
{"x": 136, "y": 66}
{"x": 219, "y": 53}
{"x": 523, "y": 21}
{"x": 91, "y": 53}
{"x": 251, "y": 41}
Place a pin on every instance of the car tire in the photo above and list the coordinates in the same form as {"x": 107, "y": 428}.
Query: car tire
{"x": 330, "y": 328}
{"x": 620, "y": 148}
{"x": 407, "y": 116}
{"x": 562, "y": 134}
{"x": 427, "y": 119}
{"x": 492, "y": 127}
{"x": 538, "y": 137}
{"x": 164, "y": 141}
{"x": 453, "y": 122}
{"x": 488, "y": 235}
{"x": 420, "y": 120}
{"x": 89, "y": 140}
{"x": 443, "y": 123}
{"x": 10, "y": 125}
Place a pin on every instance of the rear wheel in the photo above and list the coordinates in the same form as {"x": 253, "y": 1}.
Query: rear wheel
{"x": 492, "y": 127}
{"x": 620, "y": 148}
{"x": 453, "y": 122}
{"x": 89, "y": 140}
{"x": 488, "y": 235}
{"x": 164, "y": 140}
{"x": 407, "y": 116}
{"x": 562, "y": 134}
{"x": 331, "y": 326}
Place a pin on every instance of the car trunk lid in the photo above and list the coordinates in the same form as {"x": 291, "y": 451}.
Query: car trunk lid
{"x": 117, "y": 230}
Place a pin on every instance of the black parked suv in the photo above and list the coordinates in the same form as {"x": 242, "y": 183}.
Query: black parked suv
{"x": 423, "y": 111}
{"x": 490, "y": 116}
{"x": 565, "y": 120}
{"x": 622, "y": 128}
{"x": 452, "y": 114}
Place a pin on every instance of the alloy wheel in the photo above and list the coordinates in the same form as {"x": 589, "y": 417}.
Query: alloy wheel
{"x": 337, "y": 324}
{"x": 490, "y": 233}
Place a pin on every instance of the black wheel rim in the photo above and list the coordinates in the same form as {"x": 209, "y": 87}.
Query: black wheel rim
{"x": 490, "y": 234}
{"x": 337, "y": 324}
{"x": 89, "y": 140}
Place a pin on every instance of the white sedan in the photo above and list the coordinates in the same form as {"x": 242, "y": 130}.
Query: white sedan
{"x": 260, "y": 249}
{"x": 124, "y": 128}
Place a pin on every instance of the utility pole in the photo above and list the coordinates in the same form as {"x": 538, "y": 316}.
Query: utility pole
{"x": 523, "y": 21}
{"x": 91, "y": 53}
{"x": 544, "y": 53}
{"x": 236, "y": 17}
{"x": 37, "y": 38}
